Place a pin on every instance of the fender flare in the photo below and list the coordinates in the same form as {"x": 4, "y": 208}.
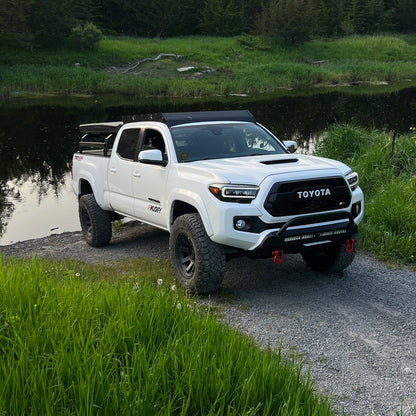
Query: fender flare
{"x": 87, "y": 176}
{"x": 193, "y": 199}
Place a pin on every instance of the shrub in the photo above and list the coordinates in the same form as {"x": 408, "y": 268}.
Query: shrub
{"x": 344, "y": 142}
{"x": 386, "y": 165}
{"x": 87, "y": 36}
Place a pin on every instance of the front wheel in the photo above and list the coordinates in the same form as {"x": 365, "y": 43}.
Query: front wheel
{"x": 198, "y": 262}
{"x": 330, "y": 259}
{"x": 95, "y": 222}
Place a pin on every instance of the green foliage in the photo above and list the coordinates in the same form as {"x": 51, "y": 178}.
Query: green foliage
{"x": 86, "y": 36}
{"x": 390, "y": 226}
{"x": 386, "y": 164}
{"x": 14, "y": 23}
{"x": 238, "y": 69}
{"x": 344, "y": 142}
{"x": 291, "y": 21}
{"x": 78, "y": 339}
{"x": 30, "y": 23}
{"x": 221, "y": 18}
{"x": 404, "y": 14}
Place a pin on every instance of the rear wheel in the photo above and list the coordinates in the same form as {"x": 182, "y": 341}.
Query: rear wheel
{"x": 330, "y": 259}
{"x": 95, "y": 222}
{"x": 198, "y": 262}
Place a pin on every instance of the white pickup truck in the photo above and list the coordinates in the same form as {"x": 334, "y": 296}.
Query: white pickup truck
{"x": 223, "y": 186}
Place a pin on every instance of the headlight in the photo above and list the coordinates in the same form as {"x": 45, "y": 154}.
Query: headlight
{"x": 234, "y": 193}
{"x": 352, "y": 179}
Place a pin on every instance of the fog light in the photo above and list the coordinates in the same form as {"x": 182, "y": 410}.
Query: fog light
{"x": 240, "y": 224}
{"x": 356, "y": 209}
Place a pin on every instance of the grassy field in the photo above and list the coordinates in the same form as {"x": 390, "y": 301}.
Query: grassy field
{"x": 387, "y": 168}
{"x": 122, "y": 340}
{"x": 242, "y": 65}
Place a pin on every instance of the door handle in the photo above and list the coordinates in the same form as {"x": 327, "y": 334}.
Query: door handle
{"x": 137, "y": 174}
{"x": 113, "y": 170}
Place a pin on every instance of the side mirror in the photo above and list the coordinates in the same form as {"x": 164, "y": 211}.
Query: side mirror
{"x": 291, "y": 145}
{"x": 152, "y": 157}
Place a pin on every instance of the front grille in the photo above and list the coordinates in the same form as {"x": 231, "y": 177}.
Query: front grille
{"x": 307, "y": 196}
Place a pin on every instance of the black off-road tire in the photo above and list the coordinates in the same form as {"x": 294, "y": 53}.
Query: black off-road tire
{"x": 329, "y": 259}
{"x": 198, "y": 262}
{"x": 95, "y": 222}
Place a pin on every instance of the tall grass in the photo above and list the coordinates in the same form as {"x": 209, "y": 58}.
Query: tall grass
{"x": 387, "y": 168}
{"x": 373, "y": 59}
{"x": 74, "y": 343}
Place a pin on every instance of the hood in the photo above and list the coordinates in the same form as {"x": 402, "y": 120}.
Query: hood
{"x": 253, "y": 170}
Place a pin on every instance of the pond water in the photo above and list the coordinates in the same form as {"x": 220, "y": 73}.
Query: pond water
{"x": 38, "y": 138}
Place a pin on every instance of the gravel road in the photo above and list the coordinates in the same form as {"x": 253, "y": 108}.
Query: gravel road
{"x": 356, "y": 330}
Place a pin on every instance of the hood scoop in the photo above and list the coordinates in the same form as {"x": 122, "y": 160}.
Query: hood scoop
{"x": 279, "y": 161}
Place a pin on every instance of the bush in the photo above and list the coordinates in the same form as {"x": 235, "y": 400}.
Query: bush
{"x": 386, "y": 164}
{"x": 344, "y": 142}
{"x": 87, "y": 36}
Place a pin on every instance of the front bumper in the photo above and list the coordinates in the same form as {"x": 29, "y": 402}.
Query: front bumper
{"x": 299, "y": 234}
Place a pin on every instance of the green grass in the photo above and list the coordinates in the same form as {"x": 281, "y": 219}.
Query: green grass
{"x": 115, "y": 339}
{"x": 388, "y": 179}
{"x": 368, "y": 59}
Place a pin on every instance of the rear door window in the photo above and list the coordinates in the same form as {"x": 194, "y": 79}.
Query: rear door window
{"x": 127, "y": 145}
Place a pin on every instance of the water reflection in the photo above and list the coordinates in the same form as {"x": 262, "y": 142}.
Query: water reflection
{"x": 40, "y": 214}
{"x": 37, "y": 143}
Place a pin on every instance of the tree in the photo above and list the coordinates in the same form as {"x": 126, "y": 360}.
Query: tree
{"x": 221, "y": 17}
{"x": 48, "y": 21}
{"x": 32, "y": 23}
{"x": 291, "y": 21}
{"x": 14, "y": 23}
{"x": 376, "y": 17}
{"x": 405, "y": 15}
{"x": 331, "y": 15}
{"x": 168, "y": 18}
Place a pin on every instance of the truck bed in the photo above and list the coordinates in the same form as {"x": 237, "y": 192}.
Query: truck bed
{"x": 98, "y": 138}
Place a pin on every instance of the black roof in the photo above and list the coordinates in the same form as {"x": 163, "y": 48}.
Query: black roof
{"x": 174, "y": 119}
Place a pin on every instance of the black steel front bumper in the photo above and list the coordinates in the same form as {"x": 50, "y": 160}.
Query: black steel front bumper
{"x": 302, "y": 233}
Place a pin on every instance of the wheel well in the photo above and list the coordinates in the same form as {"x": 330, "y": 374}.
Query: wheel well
{"x": 84, "y": 188}
{"x": 181, "y": 208}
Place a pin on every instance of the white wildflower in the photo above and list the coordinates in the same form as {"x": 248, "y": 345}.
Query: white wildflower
{"x": 159, "y": 282}
{"x": 178, "y": 306}
{"x": 173, "y": 288}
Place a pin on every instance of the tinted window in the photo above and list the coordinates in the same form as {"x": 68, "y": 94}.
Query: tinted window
{"x": 128, "y": 143}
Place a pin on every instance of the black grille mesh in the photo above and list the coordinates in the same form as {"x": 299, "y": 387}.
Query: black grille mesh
{"x": 283, "y": 198}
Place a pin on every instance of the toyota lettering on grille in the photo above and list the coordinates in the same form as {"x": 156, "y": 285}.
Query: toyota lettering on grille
{"x": 314, "y": 193}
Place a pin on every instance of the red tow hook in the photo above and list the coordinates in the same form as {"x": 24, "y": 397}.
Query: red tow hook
{"x": 277, "y": 256}
{"x": 349, "y": 245}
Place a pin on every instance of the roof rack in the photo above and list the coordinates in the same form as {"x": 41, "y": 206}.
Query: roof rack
{"x": 102, "y": 135}
{"x": 174, "y": 119}
{"x": 98, "y": 136}
{"x": 109, "y": 127}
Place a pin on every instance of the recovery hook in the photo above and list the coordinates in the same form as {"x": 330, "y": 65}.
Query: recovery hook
{"x": 277, "y": 256}
{"x": 349, "y": 245}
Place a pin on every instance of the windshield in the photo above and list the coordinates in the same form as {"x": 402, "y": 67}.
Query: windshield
{"x": 216, "y": 141}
